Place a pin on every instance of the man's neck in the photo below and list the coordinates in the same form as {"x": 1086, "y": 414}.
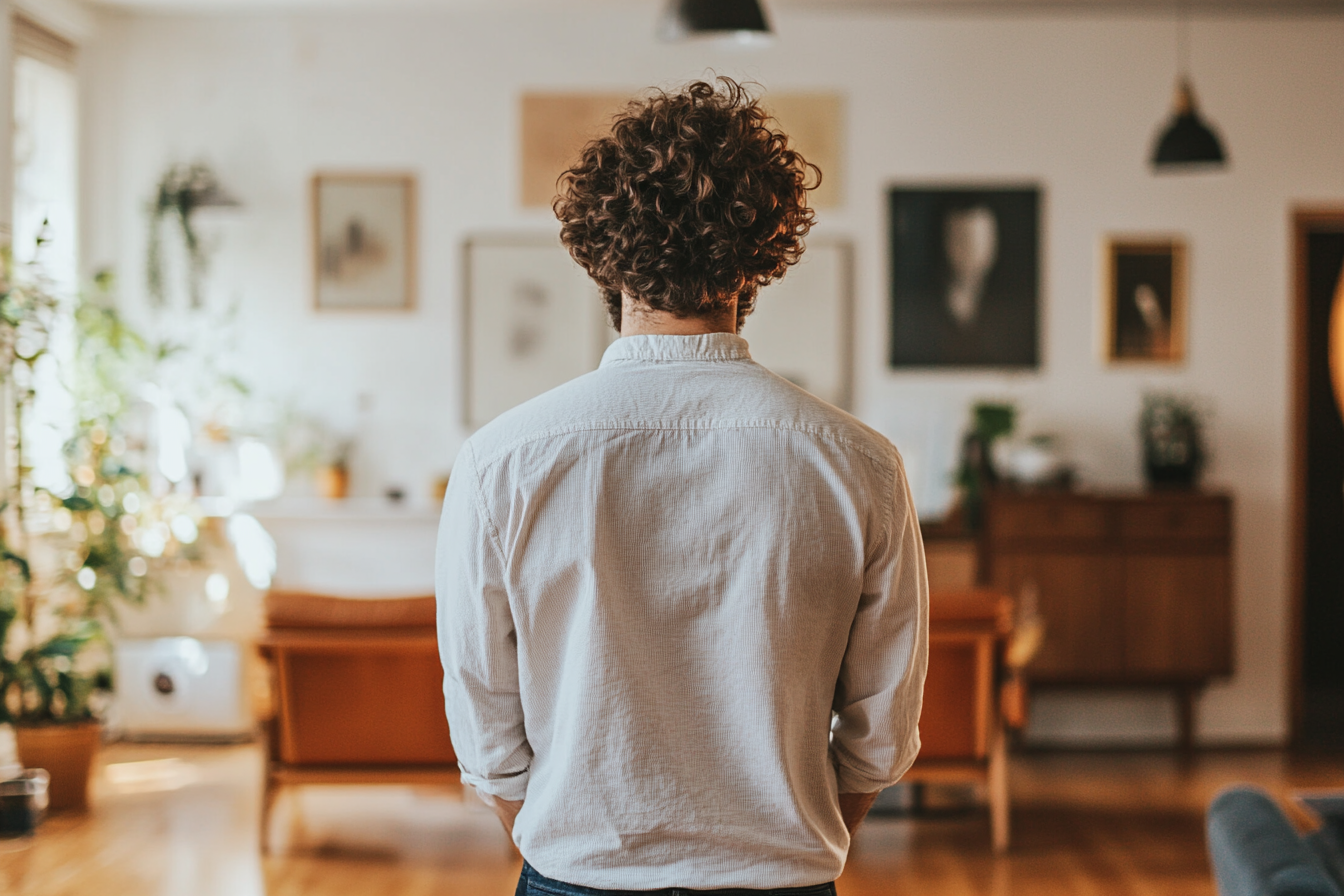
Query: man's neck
{"x": 638, "y": 319}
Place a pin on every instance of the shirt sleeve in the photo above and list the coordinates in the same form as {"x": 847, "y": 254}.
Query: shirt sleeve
{"x": 477, "y": 643}
{"x": 875, "y": 732}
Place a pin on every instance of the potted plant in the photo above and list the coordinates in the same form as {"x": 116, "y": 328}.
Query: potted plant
{"x": 48, "y": 674}
{"x": 990, "y": 421}
{"x": 1171, "y": 428}
{"x": 70, "y": 554}
{"x": 180, "y": 192}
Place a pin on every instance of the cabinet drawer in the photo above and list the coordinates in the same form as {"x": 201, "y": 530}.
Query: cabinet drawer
{"x": 1174, "y": 520}
{"x": 1062, "y": 519}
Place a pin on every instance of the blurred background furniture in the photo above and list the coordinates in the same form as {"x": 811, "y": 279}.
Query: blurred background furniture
{"x": 1256, "y": 851}
{"x": 1134, "y": 589}
{"x": 970, "y": 697}
{"x": 357, "y": 694}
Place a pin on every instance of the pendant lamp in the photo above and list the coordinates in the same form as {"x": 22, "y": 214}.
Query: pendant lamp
{"x": 1188, "y": 142}
{"x": 740, "y": 20}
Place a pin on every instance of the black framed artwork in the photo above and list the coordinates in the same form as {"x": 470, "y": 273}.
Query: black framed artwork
{"x": 965, "y": 276}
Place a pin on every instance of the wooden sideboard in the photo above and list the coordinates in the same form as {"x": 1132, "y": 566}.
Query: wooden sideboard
{"x": 1134, "y": 588}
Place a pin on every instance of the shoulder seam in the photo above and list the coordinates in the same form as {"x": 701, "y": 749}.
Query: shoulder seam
{"x": 888, "y": 461}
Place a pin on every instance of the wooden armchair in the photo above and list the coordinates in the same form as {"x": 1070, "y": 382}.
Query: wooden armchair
{"x": 357, "y": 694}
{"x": 970, "y": 697}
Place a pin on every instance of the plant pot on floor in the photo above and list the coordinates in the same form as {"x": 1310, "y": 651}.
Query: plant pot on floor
{"x": 67, "y": 753}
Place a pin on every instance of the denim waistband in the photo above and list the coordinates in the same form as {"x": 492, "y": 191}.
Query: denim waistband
{"x": 534, "y": 883}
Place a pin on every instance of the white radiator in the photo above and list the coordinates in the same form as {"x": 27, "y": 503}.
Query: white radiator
{"x": 181, "y": 688}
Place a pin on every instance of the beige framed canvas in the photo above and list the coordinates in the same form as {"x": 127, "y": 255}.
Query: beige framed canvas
{"x": 555, "y": 126}
{"x": 363, "y": 241}
{"x": 801, "y": 327}
{"x": 534, "y": 320}
{"x": 1145, "y": 299}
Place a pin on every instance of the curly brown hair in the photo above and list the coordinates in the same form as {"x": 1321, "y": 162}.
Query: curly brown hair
{"x": 691, "y": 201}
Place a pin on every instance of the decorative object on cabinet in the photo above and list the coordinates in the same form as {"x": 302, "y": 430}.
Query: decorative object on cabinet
{"x": 1187, "y": 142}
{"x": 1171, "y": 427}
{"x": 990, "y": 421}
{"x": 1145, "y": 299}
{"x": 802, "y": 325}
{"x": 534, "y": 321}
{"x": 357, "y": 695}
{"x": 555, "y": 127}
{"x": 364, "y": 241}
{"x": 965, "y": 276}
{"x": 1134, "y": 589}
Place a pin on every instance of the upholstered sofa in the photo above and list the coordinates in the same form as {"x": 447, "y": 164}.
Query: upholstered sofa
{"x": 1256, "y": 851}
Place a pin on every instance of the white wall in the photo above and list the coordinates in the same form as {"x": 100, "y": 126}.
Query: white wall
{"x": 1072, "y": 102}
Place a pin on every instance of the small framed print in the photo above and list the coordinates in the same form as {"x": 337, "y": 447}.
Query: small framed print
{"x": 364, "y": 242}
{"x": 1145, "y": 299}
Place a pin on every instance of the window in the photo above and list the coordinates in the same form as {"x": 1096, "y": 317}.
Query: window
{"x": 46, "y": 168}
{"x": 46, "y": 203}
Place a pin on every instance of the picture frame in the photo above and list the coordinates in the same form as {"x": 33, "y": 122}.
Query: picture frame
{"x": 1145, "y": 299}
{"x": 533, "y": 320}
{"x": 965, "y": 288}
{"x": 802, "y": 327}
{"x": 554, "y": 126}
{"x": 364, "y": 241}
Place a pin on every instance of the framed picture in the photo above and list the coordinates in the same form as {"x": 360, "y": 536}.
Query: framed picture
{"x": 555, "y": 127}
{"x": 364, "y": 242}
{"x": 1145, "y": 299}
{"x": 534, "y": 320}
{"x": 965, "y": 276}
{"x": 802, "y": 325}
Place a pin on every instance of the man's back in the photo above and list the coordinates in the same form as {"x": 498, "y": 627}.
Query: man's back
{"x": 656, "y": 584}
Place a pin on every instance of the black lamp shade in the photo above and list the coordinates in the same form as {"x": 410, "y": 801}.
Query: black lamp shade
{"x": 702, "y": 18}
{"x": 1188, "y": 140}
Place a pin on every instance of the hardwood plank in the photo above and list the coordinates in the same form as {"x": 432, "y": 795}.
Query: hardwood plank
{"x": 1124, "y": 824}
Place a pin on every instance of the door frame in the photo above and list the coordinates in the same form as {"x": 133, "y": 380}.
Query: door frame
{"x": 1305, "y": 219}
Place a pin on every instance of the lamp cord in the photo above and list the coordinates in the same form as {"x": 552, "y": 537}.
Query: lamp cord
{"x": 1183, "y": 40}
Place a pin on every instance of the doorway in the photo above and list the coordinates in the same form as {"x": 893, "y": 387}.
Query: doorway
{"x": 1318, "y": 488}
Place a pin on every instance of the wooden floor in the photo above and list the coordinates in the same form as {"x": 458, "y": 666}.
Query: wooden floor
{"x": 183, "y": 820}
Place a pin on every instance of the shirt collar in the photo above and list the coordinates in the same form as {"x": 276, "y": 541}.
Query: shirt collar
{"x": 706, "y": 347}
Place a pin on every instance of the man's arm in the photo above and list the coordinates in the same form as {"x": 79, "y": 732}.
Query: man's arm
{"x": 478, "y": 645}
{"x": 875, "y": 736}
{"x": 853, "y": 808}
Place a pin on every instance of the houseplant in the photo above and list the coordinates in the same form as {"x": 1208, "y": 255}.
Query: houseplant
{"x": 1171, "y": 428}
{"x": 69, "y": 555}
{"x": 990, "y": 421}
{"x": 180, "y": 192}
{"x": 49, "y": 667}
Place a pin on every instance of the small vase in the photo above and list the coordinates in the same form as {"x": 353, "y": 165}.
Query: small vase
{"x": 333, "y": 481}
{"x": 67, "y": 753}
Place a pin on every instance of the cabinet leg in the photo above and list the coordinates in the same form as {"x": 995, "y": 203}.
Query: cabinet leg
{"x": 1185, "y": 714}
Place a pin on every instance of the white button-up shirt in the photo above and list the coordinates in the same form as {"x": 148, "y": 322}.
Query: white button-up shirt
{"x": 682, "y": 606}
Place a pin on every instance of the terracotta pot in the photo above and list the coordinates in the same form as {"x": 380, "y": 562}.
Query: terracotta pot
{"x": 333, "y": 481}
{"x": 67, "y": 753}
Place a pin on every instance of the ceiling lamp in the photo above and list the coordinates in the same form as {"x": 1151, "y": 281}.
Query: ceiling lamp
{"x": 743, "y": 21}
{"x": 1188, "y": 142}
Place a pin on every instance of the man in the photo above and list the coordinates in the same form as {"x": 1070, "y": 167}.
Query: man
{"x": 682, "y": 603}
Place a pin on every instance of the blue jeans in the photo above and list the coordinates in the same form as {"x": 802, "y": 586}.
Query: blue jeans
{"x": 534, "y": 883}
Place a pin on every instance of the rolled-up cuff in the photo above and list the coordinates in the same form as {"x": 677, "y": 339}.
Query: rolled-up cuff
{"x": 851, "y": 780}
{"x": 507, "y": 787}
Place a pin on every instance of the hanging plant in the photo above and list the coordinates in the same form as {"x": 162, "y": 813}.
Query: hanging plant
{"x": 181, "y": 190}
